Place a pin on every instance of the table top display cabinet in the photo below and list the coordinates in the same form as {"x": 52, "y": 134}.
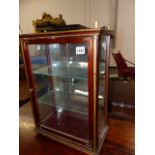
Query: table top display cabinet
{"x": 68, "y": 81}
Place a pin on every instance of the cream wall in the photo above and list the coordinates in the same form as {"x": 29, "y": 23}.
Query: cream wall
{"x": 125, "y": 31}
{"x": 103, "y": 11}
{"x": 85, "y": 12}
{"x": 73, "y": 11}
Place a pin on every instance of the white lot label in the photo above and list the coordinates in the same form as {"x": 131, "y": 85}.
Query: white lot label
{"x": 80, "y": 50}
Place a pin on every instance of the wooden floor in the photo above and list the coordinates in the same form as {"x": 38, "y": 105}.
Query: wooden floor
{"x": 119, "y": 140}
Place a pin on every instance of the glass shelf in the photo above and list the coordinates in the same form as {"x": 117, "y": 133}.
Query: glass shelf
{"x": 77, "y": 70}
{"x": 71, "y": 86}
{"x": 72, "y": 73}
{"x": 64, "y": 101}
{"x": 75, "y": 89}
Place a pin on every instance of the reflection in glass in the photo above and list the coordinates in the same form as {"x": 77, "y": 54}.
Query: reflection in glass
{"x": 101, "y": 86}
{"x": 61, "y": 78}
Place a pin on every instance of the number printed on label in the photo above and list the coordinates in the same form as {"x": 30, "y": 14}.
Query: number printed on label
{"x": 80, "y": 50}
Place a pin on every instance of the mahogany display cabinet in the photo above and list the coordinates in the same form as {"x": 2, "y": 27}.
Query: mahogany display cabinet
{"x": 67, "y": 73}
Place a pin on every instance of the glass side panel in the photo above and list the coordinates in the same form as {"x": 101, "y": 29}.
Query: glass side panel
{"x": 60, "y": 72}
{"x": 101, "y": 85}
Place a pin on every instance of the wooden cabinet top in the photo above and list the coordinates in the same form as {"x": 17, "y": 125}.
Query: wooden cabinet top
{"x": 81, "y": 32}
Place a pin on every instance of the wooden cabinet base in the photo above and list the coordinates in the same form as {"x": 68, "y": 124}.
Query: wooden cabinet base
{"x": 73, "y": 144}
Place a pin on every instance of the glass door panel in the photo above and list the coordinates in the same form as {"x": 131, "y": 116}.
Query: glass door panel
{"x": 60, "y": 73}
{"x": 101, "y": 85}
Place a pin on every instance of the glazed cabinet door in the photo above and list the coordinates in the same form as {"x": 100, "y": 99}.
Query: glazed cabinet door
{"x": 59, "y": 74}
{"x": 103, "y": 65}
